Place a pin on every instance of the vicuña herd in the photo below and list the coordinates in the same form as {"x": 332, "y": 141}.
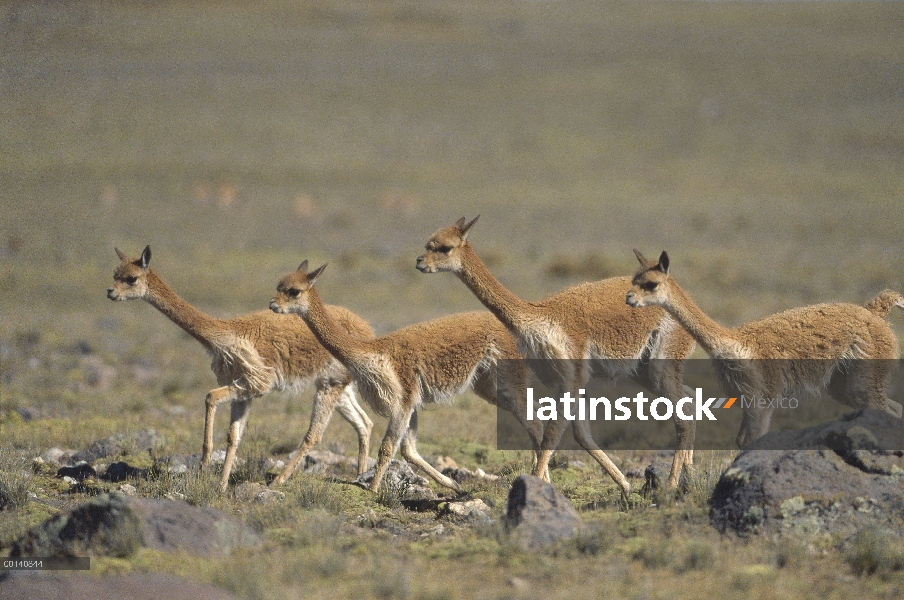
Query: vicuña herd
{"x": 631, "y": 321}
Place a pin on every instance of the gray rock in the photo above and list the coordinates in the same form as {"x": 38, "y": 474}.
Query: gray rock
{"x": 401, "y": 479}
{"x": 256, "y": 492}
{"x": 58, "y": 456}
{"x": 117, "y": 525}
{"x": 146, "y": 440}
{"x": 538, "y": 515}
{"x": 848, "y": 474}
{"x": 472, "y": 510}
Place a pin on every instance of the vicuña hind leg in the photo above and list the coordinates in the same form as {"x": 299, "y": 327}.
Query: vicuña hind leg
{"x": 325, "y": 399}
{"x": 583, "y": 437}
{"x": 410, "y": 453}
{"x": 352, "y": 412}
{"x": 239, "y": 411}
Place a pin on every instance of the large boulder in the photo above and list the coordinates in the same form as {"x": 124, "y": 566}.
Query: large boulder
{"x": 538, "y": 515}
{"x": 117, "y": 525}
{"x": 842, "y": 476}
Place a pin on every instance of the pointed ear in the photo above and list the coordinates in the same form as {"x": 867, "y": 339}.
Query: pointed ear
{"x": 464, "y": 229}
{"x": 303, "y": 267}
{"x": 313, "y": 275}
{"x": 664, "y": 262}
{"x": 640, "y": 258}
{"x": 460, "y": 223}
{"x": 145, "y": 259}
{"x": 120, "y": 254}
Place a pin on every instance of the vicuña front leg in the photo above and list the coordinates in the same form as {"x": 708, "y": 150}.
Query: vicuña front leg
{"x": 398, "y": 424}
{"x": 227, "y": 393}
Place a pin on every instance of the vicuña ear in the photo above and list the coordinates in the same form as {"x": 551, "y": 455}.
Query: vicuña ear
{"x": 313, "y": 275}
{"x": 664, "y": 262}
{"x": 460, "y": 223}
{"x": 145, "y": 259}
{"x": 120, "y": 254}
{"x": 464, "y": 229}
{"x": 303, "y": 267}
{"x": 643, "y": 261}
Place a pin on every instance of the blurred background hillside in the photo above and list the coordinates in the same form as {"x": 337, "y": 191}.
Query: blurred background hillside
{"x": 761, "y": 144}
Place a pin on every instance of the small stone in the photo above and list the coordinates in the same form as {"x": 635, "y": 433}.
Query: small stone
{"x": 520, "y": 584}
{"x": 174, "y": 496}
{"x": 128, "y": 489}
{"x": 268, "y": 496}
{"x": 438, "y": 530}
{"x": 473, "y": 510}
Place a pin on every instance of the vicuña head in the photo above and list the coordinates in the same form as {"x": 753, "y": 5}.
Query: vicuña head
{"x": 130, "y": 279}
{"x": 651, "y": 282}
{"x": 443, "y": 249}
{"x": 293, "y": 290}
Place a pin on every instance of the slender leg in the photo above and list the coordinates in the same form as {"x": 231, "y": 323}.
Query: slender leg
{"x": 239, "y": 411}
{"x": 214, "y": 397}
{"x": 352, "y": 412}
{"x": 325, "y": 399}
{"x": 398, "y": 425}
{"x": 409, "y": 452}
{"x": 582, "y": 436}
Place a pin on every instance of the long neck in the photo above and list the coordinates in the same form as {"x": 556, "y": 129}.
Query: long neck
{"x": 200, "y": 326}
{"x": 508, "y": 308}
{"x": 712, "y": 337}
{"x": 338, "y": 342}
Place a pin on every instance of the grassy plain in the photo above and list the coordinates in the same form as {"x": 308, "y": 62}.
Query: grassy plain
{"x": 761, "y": 144}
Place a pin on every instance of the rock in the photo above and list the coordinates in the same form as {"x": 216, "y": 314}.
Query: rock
{"x": 257, "y": 492}
{"x": 462, "y": 475}
{"x": 401, "y": 479}
{"x": 79, "y": 472}
{"x": 848, "y": 474}
{"x": 472, "y": 510}
{"x": 538, "y": 515}
{"x": 128, "y": 489}
{"x": 117, "y": 525}
{"x": 57, "y": 456}
{"x": 49, "y": 585}
{"x": 120, "y": 471}
{"x": 146, "y": 440}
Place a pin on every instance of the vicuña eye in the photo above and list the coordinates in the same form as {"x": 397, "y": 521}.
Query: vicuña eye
{"x": 444, "y": 249}
{"x": 294, "y": 293}
{"x": 649, "y": 286}
{"x": 131, "y": 280}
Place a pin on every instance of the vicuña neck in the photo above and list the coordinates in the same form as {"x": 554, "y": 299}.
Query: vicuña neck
{"x": 506, "y": 306}
{"x": 711, "y": 336}
{"x": 200, "y": 326}
{"x": 338, "y": 342}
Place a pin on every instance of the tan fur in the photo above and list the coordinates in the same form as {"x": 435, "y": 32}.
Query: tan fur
{"x": 845, "y": 348}
{"x": 253, "y": 355}
{"x": 582, "y": 322}
{"x": 882, "y": 304}
{"x": 420, "y": 364}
